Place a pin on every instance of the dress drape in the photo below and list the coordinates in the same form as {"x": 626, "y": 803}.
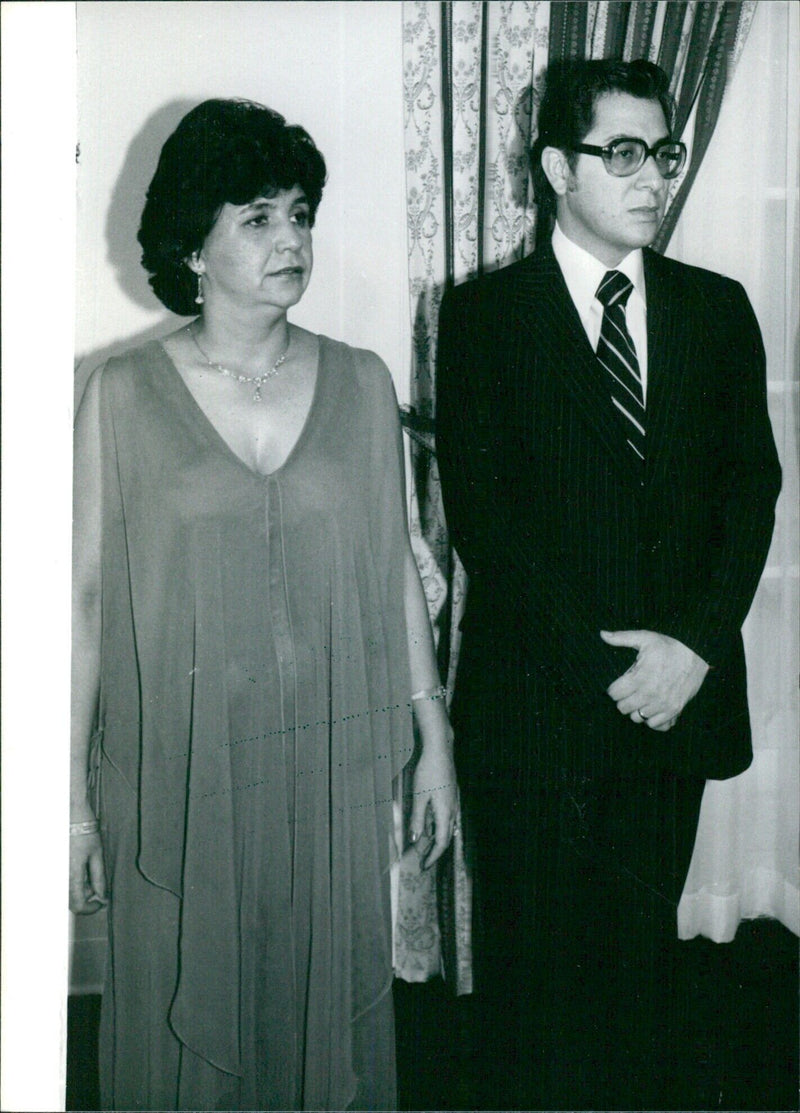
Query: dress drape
{"x": 254, "y": 711}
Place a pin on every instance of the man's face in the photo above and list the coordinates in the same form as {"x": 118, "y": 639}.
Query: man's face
{"x": 609, "y": 216}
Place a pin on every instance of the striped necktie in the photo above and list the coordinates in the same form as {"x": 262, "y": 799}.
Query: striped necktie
{"x": 617, "y": 354}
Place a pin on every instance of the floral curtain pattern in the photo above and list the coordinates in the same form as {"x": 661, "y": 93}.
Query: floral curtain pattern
{"x": 469, "y": 72}
{"x": 472, "y": 74}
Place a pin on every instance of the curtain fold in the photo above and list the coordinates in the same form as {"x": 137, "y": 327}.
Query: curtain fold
{"x": 746, "y": 861}
{"x": 472, "y": 74}
{"x": 712, "y": 42}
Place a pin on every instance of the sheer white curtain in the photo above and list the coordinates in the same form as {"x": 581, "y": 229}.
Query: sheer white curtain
{"x": 741, "y": 218}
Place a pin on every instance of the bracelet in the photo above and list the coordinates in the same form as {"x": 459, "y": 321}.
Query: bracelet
{"x": 431, "y": 693}
{"x": 88, "y": 827}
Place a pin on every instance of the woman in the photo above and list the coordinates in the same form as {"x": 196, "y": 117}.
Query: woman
{"x": 250, "y": 634}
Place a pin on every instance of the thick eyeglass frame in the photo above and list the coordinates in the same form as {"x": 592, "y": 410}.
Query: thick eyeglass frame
{"x": 607, "y": 153}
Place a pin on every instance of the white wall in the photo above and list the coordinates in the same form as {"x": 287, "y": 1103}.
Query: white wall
{"x": 334, "y": 68}
{"x": 38, "y": 168}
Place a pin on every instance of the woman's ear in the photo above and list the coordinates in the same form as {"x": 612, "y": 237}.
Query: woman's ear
{"x": 195, "y": 263}
{"x": 557, "y": 169}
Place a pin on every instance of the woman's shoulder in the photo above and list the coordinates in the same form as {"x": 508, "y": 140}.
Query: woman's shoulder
{"x": 114, "y": 385}
{"x": 131, "y": 363}
{"x": 368, "y": 372}
{"x": 360, "y": 358}
{"x": 131, "y": 374}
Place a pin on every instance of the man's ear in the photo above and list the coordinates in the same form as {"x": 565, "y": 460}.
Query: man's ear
{"x": 556, "y": 169}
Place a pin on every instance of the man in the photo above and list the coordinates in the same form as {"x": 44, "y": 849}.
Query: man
{"x": 609, "y": 480}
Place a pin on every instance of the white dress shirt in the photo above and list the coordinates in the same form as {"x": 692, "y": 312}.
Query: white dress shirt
{"x": 583, "y": 274}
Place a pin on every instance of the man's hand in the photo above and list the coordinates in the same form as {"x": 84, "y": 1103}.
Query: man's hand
{"x": 664, "y": 677}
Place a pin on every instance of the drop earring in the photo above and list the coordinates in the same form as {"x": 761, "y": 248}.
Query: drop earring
{"x": 199, "y": 299}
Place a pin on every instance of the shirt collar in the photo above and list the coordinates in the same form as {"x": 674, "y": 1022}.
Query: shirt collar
{"x": 583, "y": 272}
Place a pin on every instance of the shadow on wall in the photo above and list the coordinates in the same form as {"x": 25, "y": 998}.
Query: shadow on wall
{"x": 122, "y": 224}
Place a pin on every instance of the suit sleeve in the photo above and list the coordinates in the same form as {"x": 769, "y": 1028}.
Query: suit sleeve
{"x": 462, "y": 442}
{"x": 747, "y": 478}
{"x": 484, "y": 527}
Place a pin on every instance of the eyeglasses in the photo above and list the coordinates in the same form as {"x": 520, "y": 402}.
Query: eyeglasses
{"x": 623, "y": 157}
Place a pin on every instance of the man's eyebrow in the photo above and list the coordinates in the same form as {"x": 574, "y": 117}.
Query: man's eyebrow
{"x": 638, "y": 138}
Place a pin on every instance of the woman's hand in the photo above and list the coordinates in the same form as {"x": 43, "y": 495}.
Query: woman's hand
{"x": 434, "y": 812}
{"x": 435, "y": 809}
{"x": 87, "y": 875}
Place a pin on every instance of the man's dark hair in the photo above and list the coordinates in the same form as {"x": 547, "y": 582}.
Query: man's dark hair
{"x": 566, "y": 112}
{"x": 223, "y": 151}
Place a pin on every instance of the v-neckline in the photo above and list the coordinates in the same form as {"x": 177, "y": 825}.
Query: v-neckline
{"x": 211, "y": 429}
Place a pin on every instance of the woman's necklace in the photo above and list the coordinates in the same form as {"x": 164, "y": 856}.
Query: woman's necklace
{"x": 259, "y": 380}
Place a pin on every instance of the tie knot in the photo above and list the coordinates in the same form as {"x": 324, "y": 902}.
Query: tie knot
{"x": 614, "y": 289}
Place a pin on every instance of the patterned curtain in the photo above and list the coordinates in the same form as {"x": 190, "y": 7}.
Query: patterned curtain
{"x": 469, "y": 77}
{"x": 472, "y": 74}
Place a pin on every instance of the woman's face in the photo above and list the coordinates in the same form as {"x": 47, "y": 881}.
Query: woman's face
{"x": 259, "y": 254}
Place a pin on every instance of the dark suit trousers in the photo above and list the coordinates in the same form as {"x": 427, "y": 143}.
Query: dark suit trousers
{"x": 575, "y": 943}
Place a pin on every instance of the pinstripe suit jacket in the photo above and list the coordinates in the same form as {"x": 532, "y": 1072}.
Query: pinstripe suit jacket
{"x": 563, "y": 536}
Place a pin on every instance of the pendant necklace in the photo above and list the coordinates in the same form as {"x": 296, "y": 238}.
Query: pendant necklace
{"x": 258, "y": 380}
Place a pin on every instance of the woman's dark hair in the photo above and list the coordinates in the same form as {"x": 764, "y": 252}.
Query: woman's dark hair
{"x": 223, "y": 151}
{"x": 566, "y": 112}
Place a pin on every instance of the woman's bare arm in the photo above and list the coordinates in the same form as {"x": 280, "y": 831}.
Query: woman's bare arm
{"x": 87, "y": 874}
{"x": 434, "y": 775}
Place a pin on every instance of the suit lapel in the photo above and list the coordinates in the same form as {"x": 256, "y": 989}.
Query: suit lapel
{"x": 669, "y": 322}
{"x": 546, "y": 311}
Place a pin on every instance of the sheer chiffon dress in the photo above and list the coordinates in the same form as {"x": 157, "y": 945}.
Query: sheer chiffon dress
{"x": 254, "y": 712}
